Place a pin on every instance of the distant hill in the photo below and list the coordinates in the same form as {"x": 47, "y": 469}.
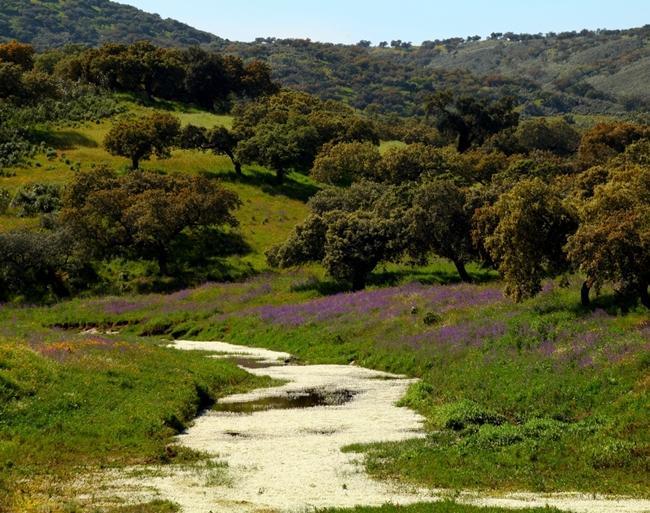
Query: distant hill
{"x": 587, "y": 72}
{"x": 48, "y": 23}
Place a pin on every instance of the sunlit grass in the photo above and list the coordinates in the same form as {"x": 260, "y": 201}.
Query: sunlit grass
{"x": 268, "y": 212}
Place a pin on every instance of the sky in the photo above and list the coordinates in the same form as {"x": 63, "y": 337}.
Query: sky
{"x": 349, "y": 21}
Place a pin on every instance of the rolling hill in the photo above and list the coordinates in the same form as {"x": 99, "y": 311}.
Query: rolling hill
{"x": 48, "y": 23}
{"x": 600, "y": 72}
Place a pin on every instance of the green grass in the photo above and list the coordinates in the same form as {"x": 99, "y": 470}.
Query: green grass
{"x": 70, "y": 403}
{"x": 438, "y": 507}
{"x": 550, "y": 398}
{"x": 542, "y": 396}
{"x": 267, "y": 215}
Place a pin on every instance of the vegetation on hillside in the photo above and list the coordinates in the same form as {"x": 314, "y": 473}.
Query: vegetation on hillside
{"x": 586, "y": 72}
{"x": 47, "y": 24}
{"x": 113, "y": 182}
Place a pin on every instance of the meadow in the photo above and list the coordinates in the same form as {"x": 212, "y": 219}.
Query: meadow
{"x": 543, "y": 395}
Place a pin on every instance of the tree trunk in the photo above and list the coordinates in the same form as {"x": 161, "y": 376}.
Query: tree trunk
{"x": 358, "y": 282}
{"x": 236, "y": 164}
{"x": 584, "y": 293}
{"x": 162, "y": 264}
{"x": 148, "y": 89}
{"x": 279, "y": 176}
{"x": 462, "y": 272}
{"x": 463, "y": 141}
{"x": 645, "y": 297}
{"x": 135, "y": 163}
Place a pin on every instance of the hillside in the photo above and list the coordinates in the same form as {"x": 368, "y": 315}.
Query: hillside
{"x": 587, "y": 72}
{"x": 47, "y": 23}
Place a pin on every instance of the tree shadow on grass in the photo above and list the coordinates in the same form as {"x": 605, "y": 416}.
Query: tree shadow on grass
{"x": 265, "y": 181}
{"x": 64, "y": 139}
{"x": 610, "y": 303}
{"x": 429, "y": 277}
{"x": 322, "y": 287}
{"x": 328, "y": 287}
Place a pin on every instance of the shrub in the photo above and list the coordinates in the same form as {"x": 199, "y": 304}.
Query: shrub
{"x": 34, "y": 265}
{"x": 38, "y": 198}
{"x": 5, "y": 200}
{"x": 461, "y": 414}
{"x": 493, "y": 437}
{"x": 543, "y": 429}
{"x": 612, "y": 454}
{"x": 431, "y": 318}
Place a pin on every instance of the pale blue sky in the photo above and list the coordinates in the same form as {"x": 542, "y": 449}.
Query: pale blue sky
{"x": 348, "y": 21}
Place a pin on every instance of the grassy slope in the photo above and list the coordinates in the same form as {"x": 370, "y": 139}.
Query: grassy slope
{"x": 554, "y": 418}
{"x": 542, "y": 396}
{"x": 70, "y": 403}
{"x": 268, "y": 212}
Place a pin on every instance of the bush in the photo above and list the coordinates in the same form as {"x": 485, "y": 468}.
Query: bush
{"x": 38, "y": 198}
{"x": 431, "y": 318}
{"x": 612, "y": 454}
{"x": 544, "y": 429}
{"x": 34, "y": 265}
{"x": 493, "y": 437}
{"x": 461, "y": 414}
{"x": 5, "y": 200}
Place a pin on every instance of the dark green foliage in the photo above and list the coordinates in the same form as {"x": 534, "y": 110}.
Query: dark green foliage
{"x": 526, "y": 241}
{"x": 38, "y": 198}
{"x": 49, "y": 24}
{"x": 192, "y": 75}
{"x": 539, "y": 70}
{"x": 441, "y": 223}
{"x": 351, "y": 231}
{"x": 219, "y": 140}
{"x": 355, "y": 243}
{"x": 5, "y": 200}
{"x": 347, "y": 162}
{"x": 469, "y": 121}
{"x": 287, "y": 130}
{"x": 556, "y": 136}
{"x": 418, "y": 161}
{"x": 613, "y": 241}
{"x": 138, "y": 139}
{"x": 143, "y": 214}
{"x": 33, "y": 265}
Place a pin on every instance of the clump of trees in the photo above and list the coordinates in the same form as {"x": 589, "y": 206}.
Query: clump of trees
{"x": 525, "y": 239}
{"x": 286, "y": 131}
{"x": 532, "y": 201}
{"x": 469, "y": 120}
{"x": 136, "y": 216}
{"x": 143, "y": 215}
{"x": 346, "y": 162}
{"x": 347, "y": 231}
{"x": 192, "y": 75}
{"x": 612, "y": 243}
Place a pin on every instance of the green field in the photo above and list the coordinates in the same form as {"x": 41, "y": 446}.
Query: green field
{"x": 543, "y": 396}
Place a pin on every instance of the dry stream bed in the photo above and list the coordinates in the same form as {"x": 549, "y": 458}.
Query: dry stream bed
{"x": 278, "y": 449}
